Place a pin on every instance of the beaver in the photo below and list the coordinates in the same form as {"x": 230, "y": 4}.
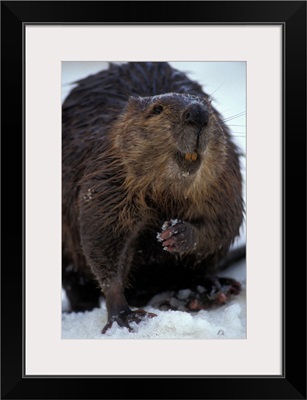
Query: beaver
{"x": 151, "y": 181}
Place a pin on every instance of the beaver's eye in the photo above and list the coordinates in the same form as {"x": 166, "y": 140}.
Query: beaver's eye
{"x": 157, "y": 109}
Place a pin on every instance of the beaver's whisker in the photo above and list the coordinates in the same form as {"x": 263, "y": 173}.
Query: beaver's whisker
{"x": 241, "y": 114}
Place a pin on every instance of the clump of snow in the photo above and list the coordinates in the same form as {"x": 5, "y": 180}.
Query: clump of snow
{"x": 65, "y": 302}
{"x": 159, "y": 237}
{"x": 183, "y": 294}
{"x": 225, "y": 322}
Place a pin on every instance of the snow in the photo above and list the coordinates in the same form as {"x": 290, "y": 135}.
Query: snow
{"x": 225, "y": 322}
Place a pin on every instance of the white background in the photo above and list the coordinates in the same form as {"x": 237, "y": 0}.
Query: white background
{"x": 46, "y": 48}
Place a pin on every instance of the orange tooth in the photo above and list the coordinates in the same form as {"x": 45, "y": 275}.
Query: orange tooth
{"x": 194, "y": 156}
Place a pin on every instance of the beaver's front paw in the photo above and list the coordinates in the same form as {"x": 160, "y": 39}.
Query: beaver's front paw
{"x": 177, "y": 236}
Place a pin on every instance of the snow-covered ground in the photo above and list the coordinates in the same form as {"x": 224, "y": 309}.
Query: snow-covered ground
{"x": 227, "y": 84}
{"x": 225, "y": 322}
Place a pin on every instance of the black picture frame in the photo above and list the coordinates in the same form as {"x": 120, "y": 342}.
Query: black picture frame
{"x": 292, "y": 16}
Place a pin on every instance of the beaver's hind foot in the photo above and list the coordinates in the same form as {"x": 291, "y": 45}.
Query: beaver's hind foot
{"x": 125, "y": 318}
{"x": 211, "y": 292}
{"x": 214, "y": 292}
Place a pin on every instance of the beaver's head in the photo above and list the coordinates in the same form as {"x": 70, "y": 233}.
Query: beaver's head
{"x": 170, "y": 133}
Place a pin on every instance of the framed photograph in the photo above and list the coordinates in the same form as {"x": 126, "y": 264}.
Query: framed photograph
{"x": 237, "y": 74}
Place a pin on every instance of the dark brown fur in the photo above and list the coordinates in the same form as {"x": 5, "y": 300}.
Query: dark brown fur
{"x": 124, "y": 175}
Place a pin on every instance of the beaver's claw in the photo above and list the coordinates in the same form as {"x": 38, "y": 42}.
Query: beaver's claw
{"x": 125, "y": 318}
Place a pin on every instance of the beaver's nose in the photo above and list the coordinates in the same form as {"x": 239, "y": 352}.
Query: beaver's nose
{"x": 196, "y": 114}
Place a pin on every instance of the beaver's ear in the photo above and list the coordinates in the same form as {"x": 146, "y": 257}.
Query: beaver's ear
{"x": 137, "y": 102}
{"x": 134, "y": 101}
